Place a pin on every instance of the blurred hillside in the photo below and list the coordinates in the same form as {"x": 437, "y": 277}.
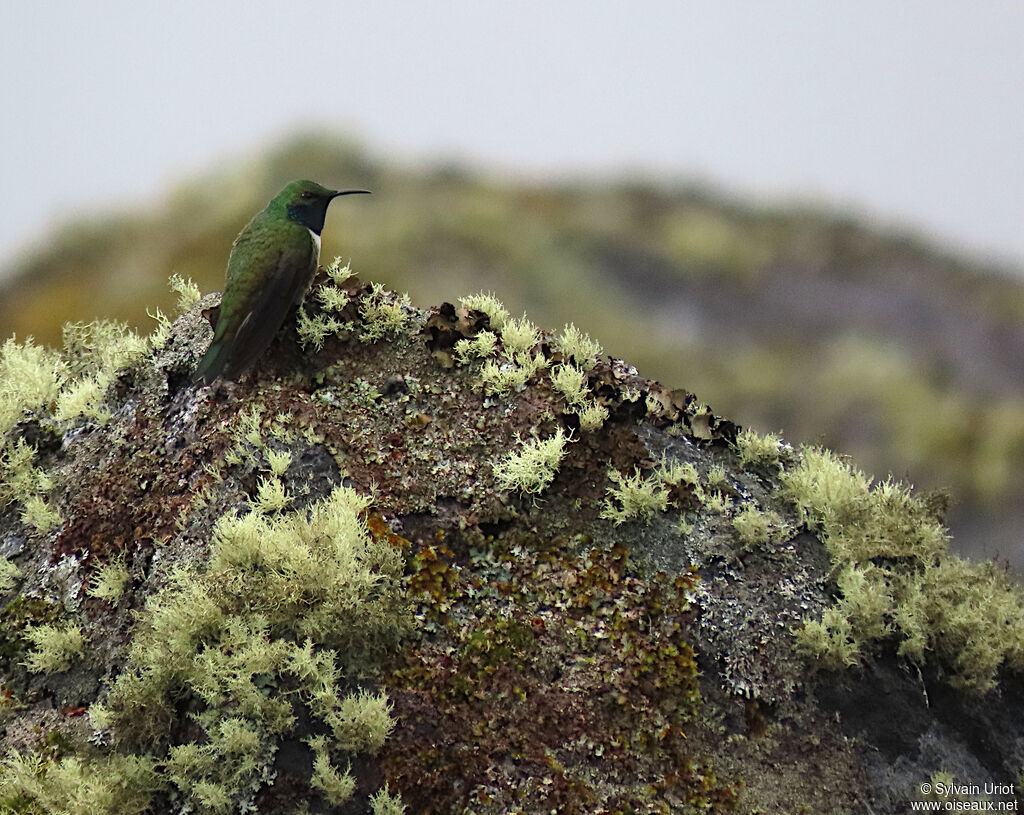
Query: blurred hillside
{"x": 906, "y": 357}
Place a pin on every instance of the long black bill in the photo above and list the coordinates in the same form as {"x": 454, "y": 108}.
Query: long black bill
{"x": 350, "y": 192}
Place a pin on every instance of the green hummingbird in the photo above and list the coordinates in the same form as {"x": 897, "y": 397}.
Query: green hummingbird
{"x": 272, "y": 262}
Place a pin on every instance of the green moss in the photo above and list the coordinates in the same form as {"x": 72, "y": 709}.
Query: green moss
{"x": 897, "y": 580}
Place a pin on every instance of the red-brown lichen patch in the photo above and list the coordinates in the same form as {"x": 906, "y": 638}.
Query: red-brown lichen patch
{"x": 134, "y": 496}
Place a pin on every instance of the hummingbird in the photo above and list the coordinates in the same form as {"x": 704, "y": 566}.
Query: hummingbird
{"x": 272, "y": 263}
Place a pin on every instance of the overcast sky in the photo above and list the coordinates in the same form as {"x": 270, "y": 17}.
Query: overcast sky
{"x": 909, "y": 111}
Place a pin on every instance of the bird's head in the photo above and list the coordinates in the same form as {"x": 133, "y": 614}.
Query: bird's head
{"x": 306, "y": 202}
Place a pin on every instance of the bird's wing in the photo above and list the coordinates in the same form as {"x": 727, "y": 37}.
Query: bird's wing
{"x": 247, "y": 325}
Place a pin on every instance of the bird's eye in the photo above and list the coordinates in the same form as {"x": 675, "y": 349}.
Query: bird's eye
{"x": 307, "y": 194}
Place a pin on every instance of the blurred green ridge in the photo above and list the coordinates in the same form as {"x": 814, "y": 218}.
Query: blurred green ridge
{"x": 878, "y": 344}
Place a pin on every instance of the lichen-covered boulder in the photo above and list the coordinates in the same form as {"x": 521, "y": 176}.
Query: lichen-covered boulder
{"x": 445, "y": 561}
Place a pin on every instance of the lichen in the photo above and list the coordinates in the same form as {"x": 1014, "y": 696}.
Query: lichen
{"x": 533, "y": 467}
{"x": 633, "y": 497}
{"x": 570, "y": 381}
{"x": 578, "y": 347}
{"x": 383, "y": 312}
{"x": 34, "y": 784}
{"x": 21, "y": 481}
{"x": 896, "y": 578}
{"x": 483, "y": 345}
{"x": 31, "y": 377}
{"x": 757, "y": 450}
{"x": 54, "y": 647}
{"x": 754, "y": 526}
{"x": 9, "y": 574}
{"x": 487, "y": 304}
{"x": 333, "y": 298}
{"x": 109, "y": 581}
{"x": 563, "y": 656}
{"x": 271, "y": 631}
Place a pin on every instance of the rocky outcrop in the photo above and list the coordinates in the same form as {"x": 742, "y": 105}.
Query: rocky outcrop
{"x": 443, "y": 560}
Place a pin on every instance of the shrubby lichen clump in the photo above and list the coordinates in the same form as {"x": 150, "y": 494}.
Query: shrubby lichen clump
{"x": 897, "y": 581}
{"x": 229, "y": 658}
{"x": 62, "y": 387}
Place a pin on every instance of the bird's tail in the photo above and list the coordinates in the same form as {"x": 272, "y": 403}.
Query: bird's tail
{"x": 213, "y": 363}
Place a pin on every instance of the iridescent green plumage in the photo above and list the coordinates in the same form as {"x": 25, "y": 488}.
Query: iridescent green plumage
{"x": 272, "y": 263}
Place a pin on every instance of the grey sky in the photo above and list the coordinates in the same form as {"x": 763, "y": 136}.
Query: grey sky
{"x": 911, "y": 111}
